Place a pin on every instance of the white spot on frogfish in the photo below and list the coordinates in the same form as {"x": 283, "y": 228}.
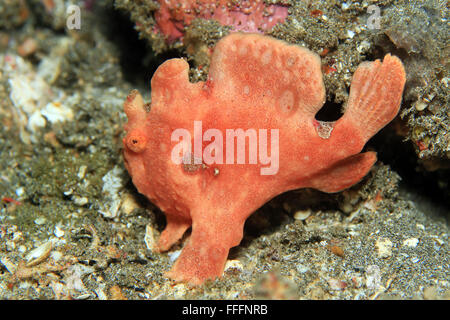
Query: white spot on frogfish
{"x": 286, "y": 101}
{"x": 266, "y": 57}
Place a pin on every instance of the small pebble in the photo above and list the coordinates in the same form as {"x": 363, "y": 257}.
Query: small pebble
{"x": 58, "y": 232}
{"x": 80, "y": 201}
{"x": 302, "y": 268}
{"x": 411, "y": 242}
{"x": 384, "y": 247}
{"x": 420, "y": 105}
{"x": 56, "y": 255}
{"x": 116, "y": 293}
{"x": 233, "y": 264}
{"x": 82, "y": 172}
{"x": 302, "y": 214}
{"x": 345, "y": 6}
{"x": 129, "y": 203}
{"x": 336, "y": 284}
{"x": 373, "y": 277}
{"x": 40, "y": 221}
{"x": 350, "y": 34}
{"x": 10, "y": 245}
{"x": 179, "y": 291}
{"x": 149, "y": 238}
{"x": 39, "y": 254}
{"x": 174, "y": 255}
{"x": 28, "y": 47}
{"x": 20, "y": 191}
{"x": 337, "y": 251}
{"x": 83, "y": 296}
{"x": 430, "y": 293}
{"x": 363, "y": 46}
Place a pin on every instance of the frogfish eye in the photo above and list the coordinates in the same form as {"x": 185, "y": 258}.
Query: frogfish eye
{"x": 136, "y": 141}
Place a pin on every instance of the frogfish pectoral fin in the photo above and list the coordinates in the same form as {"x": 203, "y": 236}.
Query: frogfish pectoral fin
{"x": 343, "y": 174}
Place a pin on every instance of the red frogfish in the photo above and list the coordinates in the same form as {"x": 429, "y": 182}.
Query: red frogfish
{"x": 209, "y": 154}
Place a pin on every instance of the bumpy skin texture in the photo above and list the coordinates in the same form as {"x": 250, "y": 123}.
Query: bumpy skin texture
{"x": 247, "y": 16}
{"x": 255, "y": 82}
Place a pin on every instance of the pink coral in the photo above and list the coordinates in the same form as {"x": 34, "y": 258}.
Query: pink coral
{"x": 255, "y": 82}
{"x": 248, "y": 15}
